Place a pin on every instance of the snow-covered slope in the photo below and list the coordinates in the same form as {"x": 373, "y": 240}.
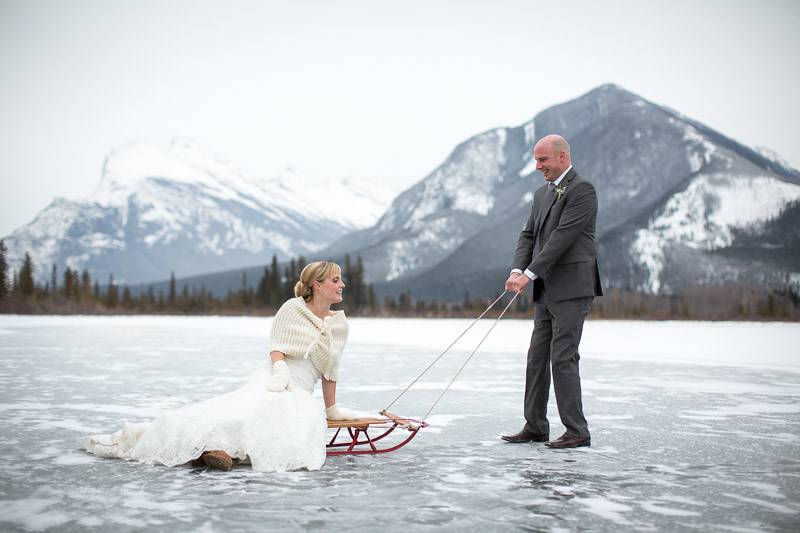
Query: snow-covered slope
{"x": 434, "y": 217}
{"x": 679, "y": 204}
{"x": 181, "y": 208}
{"x": 346, "y": 202}
{"x": 707, "y": 215}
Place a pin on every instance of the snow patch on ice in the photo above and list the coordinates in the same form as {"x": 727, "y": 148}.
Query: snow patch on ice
{"x": 440, "y": 421}
{"x": 73, "y": 460}
{"x": 90, "y": 521}
{"x": 72, "y": 425}
{"x": 32, "y": 514}
{"x": 767, "y": 489}
{"x": 778, "y": 508}
{"x": 605, "y": 508}
{"x": 656, "y": 507}
{"x": 25, "y": 406}
{"x": 749, "y": 409}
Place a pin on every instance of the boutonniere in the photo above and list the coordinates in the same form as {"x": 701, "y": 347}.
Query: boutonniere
{"x": 560, "y": 191}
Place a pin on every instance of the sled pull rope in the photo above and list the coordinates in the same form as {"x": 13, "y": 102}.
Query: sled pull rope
{"x": 445, "y": 351}
{"x": 424, "y": 418}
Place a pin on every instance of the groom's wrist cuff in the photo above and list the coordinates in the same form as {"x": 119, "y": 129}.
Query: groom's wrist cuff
{"x": 527, "y": 272}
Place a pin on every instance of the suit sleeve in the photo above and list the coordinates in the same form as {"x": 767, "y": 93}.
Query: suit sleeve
{"x": 525, "y": 242}
{"x": 579, "y": 209}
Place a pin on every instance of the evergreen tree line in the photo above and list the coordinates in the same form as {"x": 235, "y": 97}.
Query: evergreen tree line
{"x": 73, "y": 291}
{"x": 76, "y": 292}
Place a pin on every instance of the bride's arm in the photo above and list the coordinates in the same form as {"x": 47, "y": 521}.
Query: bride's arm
{"x": 328, "y": 392}
{"x": 280, "y": 372}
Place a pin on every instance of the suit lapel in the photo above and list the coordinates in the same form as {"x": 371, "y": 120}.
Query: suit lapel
{"x": 538, "y": 221}
{"x": 551, "y": 199}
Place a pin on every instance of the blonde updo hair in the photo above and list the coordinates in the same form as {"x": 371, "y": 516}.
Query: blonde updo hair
{"x": 316, "y": 271}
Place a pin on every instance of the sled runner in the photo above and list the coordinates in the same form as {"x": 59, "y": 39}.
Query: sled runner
{"x": 357, "y": 439}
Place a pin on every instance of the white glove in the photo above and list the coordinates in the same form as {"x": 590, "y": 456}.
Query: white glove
{"x": 334, "y": 413}
{"x": 280, "y": 376}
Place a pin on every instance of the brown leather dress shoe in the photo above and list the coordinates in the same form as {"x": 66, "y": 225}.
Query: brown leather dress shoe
{"x": 569, "y": 441}
{"x": 525, "y": 436}
{"x": 217, "y": 459}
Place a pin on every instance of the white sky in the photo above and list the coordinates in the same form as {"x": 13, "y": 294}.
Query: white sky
{"x": 364, "y": 89}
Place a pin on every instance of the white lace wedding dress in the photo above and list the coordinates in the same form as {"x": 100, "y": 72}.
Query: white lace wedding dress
{"x": 275, "y": 431}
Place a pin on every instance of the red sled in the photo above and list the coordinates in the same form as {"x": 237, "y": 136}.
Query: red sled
{"x": 358, "y": 441}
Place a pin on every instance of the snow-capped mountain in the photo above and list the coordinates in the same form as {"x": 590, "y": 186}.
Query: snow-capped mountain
{"x": 181, "y": 208}
{"x": 434, "y": 217}
{"x": 679, "y": 204}
{"x": 706, "y": 217}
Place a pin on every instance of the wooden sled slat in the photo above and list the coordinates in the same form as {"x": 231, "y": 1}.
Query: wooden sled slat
{"x": 357, "y": 440}
{"x": 404, "y": 422}
{"x": 356, "y": 422}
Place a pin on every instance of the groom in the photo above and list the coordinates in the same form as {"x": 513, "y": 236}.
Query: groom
{"x": 556, "y": 251}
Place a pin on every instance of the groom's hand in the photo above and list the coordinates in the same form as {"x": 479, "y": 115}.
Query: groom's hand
{"x": 516, "y": 282}
{"x": 511, "y": 278}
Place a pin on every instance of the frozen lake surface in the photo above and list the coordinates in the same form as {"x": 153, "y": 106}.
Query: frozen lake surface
{"x": 694, "y": 426}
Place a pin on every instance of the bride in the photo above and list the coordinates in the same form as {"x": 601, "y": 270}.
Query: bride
{"x": 273, "y": 421}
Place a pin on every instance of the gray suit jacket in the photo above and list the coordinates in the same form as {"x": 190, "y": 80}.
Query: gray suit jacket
{"x": 558, "y": 241}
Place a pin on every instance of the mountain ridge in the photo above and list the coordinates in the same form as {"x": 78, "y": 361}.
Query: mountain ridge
{"x": 673, "y": 209}
{"x": 657, "y": 154}
{"x": 181, "y": 208}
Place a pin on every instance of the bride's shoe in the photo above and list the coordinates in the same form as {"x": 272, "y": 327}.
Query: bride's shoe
{"x": 217, "y": 459}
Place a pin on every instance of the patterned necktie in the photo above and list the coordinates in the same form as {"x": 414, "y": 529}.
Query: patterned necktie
{"x": 551, "y": 186}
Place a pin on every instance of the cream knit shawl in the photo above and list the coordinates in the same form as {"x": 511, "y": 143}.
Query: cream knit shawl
{"x": 297, "y": 332}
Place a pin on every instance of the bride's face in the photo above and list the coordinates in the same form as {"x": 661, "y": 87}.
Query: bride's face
{"x": 330, "y": 289}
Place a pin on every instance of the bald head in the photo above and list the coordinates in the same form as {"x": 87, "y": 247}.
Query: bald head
{"x": 552, "y": 156}
{"x": 554, "y": 143}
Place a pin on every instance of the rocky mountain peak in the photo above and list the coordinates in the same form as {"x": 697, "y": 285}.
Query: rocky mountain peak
{"x": 183, "y": 208}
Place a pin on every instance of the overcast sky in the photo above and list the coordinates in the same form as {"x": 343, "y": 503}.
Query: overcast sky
{"x": 375, "y": 90}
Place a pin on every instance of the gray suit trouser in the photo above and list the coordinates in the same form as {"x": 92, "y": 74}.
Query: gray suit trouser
{"x": 557, "y": 329}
